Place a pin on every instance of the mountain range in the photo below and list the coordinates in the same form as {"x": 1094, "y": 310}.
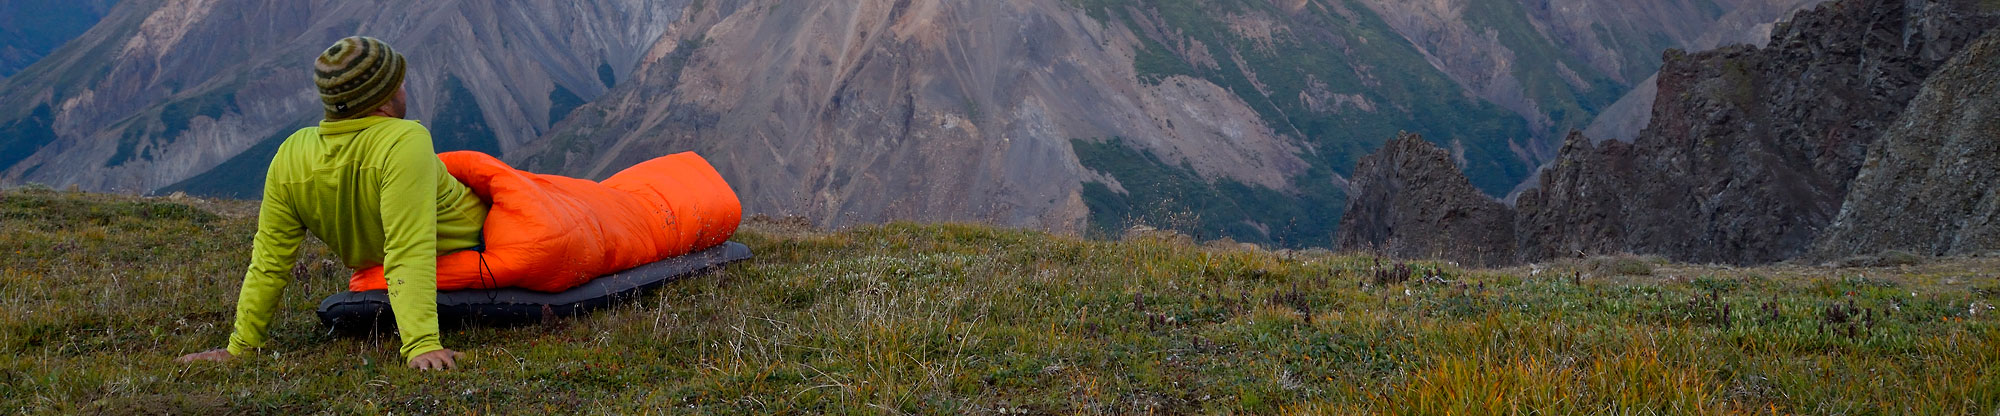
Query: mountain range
{"x": 1223, "y": 118}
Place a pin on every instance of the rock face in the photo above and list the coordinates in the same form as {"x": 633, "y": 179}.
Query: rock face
{"x": 1579, "y": 209}
{"x": 1747, "y": 23}
{"x": 1750, "y": 151}
{"x": 1411, "y": 201}
{"x": 1751, "y": 154}
{"x": 926, "y": 110}
{"x": 1467, "y": 40}
{"x": 1928, "y": 186}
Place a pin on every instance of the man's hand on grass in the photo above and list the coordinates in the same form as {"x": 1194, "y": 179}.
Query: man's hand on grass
{"x": 436, "y": 360}
{"x": 218, "y": 354}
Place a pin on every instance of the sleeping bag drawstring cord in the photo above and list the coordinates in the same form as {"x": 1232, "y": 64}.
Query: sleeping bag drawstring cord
{"x": 486, "y": 275}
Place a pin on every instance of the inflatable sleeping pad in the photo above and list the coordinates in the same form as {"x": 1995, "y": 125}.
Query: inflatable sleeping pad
{"x": 366, "y": 311}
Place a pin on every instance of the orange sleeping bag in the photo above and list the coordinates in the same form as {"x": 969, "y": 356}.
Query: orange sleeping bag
{"x": 550, "y": 233}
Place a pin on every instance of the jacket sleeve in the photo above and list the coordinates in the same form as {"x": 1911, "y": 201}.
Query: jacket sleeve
{"x": 409, "y": 222}
{"x": 272, "y": 252}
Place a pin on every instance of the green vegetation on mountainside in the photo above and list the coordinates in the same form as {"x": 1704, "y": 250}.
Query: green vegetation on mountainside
{"x": 174, "y": 117}
{"x": 242, "y": 176}
{"x": 22, "y": 137}
{"x": 1361, "y": 56}
{"x": 99, "y": 293}
{"x": 57, "y": 72}
{"x": 31, "y": 29}
{"x": 1320, "y": 50}
{"x": 606, "y": 76}
{"x": 1539, "y": 65}
{"x": 561, "y": 102}
{"x": 461, "y": 124}
{"x": 1175, "y": 197}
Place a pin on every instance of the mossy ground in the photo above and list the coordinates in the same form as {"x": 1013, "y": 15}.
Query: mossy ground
{"x": 99, "y": 293}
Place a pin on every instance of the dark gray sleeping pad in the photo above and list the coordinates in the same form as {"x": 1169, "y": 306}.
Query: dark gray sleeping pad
{"x": 363, "y": 312}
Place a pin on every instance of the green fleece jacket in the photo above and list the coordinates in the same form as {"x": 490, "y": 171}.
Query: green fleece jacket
{"x": 376, "y": 193}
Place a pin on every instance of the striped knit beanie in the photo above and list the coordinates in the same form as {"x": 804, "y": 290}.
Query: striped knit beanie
{"x": 356, "y": 76}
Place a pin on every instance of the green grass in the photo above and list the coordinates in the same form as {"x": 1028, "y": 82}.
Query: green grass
{"x": 99, "y": 293}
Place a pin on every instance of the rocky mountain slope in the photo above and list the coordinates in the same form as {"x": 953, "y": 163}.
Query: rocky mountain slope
{"x": 940, "y": 130}
{"x": 1752, "y": 154}
{"x": 162, "y": 91}
{"x": 1580, "y": 206}
{"x": 1928, "y": 185}
{"x": 871, "y": 110}
{"x": 1410, "y": 201}
{"x": 1231, "y": 118}
{"x": 1747, "y": 23}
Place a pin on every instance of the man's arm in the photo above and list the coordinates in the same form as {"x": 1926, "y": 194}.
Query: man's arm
{"x": 409, "y": 222}
{"x": 272, "y": 252}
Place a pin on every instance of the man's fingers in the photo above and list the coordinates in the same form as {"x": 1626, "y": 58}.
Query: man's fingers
{"x": 437, "y": 360}
{"x": 432, "y": 363}
{"x": 211, "y": 355}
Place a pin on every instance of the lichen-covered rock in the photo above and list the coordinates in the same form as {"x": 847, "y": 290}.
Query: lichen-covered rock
{"x": 1928, "y": 186}
{"x": 1411, "y": 201}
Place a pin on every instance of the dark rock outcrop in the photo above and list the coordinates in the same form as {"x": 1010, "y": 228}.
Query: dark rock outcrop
{"x": 1750, "y": 151}
{"x": 1410, "y": 200}
{"x": 1579, "y": 208}
{"x": 1928, "y": 186}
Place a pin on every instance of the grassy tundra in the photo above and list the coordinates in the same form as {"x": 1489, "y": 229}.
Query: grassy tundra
{"x": 99, "y": 293}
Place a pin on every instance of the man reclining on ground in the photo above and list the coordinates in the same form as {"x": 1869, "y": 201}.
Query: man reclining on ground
{"x": 413, "y": 223}
{"x": 368, "y": 183}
